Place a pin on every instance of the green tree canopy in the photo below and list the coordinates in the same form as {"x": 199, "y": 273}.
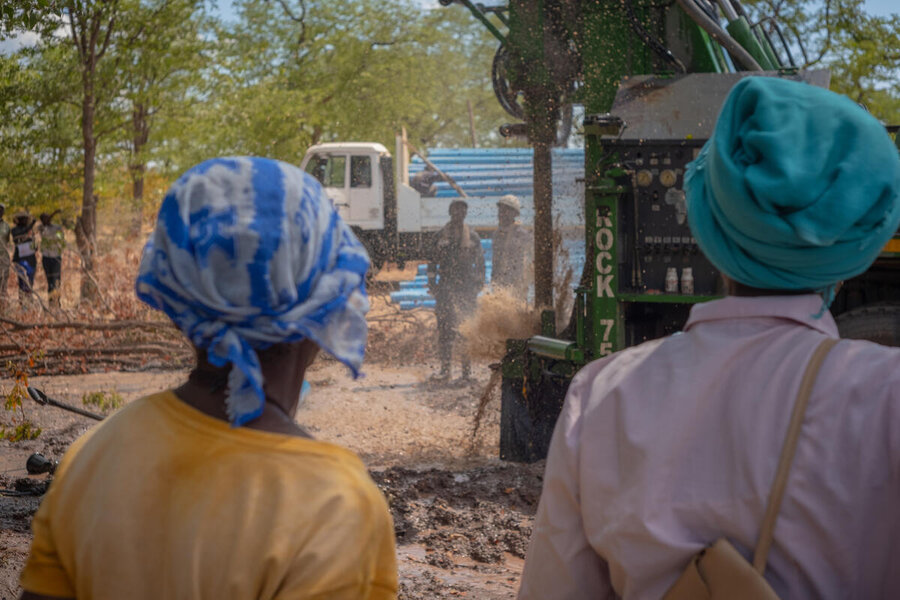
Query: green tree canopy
{"x": 128, "y": 88}
{"x": 290, "y": 75}
{"x": 861, "y": 50}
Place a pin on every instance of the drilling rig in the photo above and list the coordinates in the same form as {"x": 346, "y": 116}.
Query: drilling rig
{"x": 651, "y": 77}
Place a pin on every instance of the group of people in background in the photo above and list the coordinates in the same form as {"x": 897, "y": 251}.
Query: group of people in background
{"x": 456, "y": 273}
{"x": 21, "y": 238}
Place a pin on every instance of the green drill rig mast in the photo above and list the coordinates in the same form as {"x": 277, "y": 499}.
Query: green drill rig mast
{"x": 651, "y": 76}
{"x": 556, "y": 53}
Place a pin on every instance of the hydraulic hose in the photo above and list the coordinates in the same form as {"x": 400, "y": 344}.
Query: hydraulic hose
{"x": 720, "y": 35}
{"x": 784, "y": 43}
{"x": 728, "y": 10}
{"x": 708, "y": 8}
{"x": 653, "y": 43}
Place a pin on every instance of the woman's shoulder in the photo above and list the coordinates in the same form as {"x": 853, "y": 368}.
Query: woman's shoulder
{"x": 620, "y": 363}
{"x": 600, "y": 378}
{"x": 864, "y": 367}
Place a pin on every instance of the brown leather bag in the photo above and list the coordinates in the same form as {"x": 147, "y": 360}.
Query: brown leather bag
{"x": 719, "y": 571}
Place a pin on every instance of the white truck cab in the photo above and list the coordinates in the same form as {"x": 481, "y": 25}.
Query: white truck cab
{"x": 395, "y": 223}
{"x": 352, "y": 174}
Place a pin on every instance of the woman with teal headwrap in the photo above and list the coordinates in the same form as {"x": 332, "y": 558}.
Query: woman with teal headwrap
{"x": 796, "y": 189}
{"x": 665, "y": 447}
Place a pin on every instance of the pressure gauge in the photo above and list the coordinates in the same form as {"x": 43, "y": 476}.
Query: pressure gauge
{"x": 668, "y": 177}
{"x": 644, "y": 178}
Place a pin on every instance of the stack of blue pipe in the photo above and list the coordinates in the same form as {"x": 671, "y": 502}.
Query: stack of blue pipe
{"x": 485, "y": 174}
{"x": 414, "y": 294}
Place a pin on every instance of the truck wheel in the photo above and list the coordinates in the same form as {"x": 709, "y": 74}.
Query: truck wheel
{"x": 879, "y": 323}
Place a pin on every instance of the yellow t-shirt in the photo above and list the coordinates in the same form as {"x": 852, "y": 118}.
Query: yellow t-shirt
{"x": 162, "y": 501}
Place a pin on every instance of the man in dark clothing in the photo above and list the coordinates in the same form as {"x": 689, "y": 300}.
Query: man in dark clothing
{"x": 455, "y": 276}
{"x": 24, "y": 258}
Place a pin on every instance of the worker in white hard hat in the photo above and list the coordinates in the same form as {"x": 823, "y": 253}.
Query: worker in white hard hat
{"x": 511, "y": 248}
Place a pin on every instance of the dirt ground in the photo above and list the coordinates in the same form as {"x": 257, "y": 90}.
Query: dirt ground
{"x": 462, "y": 517}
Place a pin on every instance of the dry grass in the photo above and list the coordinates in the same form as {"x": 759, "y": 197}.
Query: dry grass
{"x": 114, "y": 331}
{"x": 400, "y": 337}
{"x": 499, "y": 316}
{"x": 78, "y": 337}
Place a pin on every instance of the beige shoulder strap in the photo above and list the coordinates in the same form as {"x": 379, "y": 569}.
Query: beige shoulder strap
{"x": 787, "y": 454}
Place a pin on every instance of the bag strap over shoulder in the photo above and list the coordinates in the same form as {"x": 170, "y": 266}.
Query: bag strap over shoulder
{"x": 787, "y": 454}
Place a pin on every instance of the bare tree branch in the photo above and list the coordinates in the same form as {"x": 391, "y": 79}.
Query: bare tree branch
{"x": 301, "y": 19}
{"x": 827, "y": 45}
{"x": 76, "y": 26}
{"x": 106, "y": 40}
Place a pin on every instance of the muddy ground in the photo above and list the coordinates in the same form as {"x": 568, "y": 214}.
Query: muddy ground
{"x": 462, "y": 517}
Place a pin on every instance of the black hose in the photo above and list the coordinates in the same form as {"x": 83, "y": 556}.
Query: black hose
{"x": 740, "y": 10}
{"x": 784, "y": 43}
{"x": 652, "y": 42}
{"x": 709, "y": 8}
{"x": 761, "y": 29}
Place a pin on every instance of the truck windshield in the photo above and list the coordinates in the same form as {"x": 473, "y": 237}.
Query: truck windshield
{"x": 329, "y": 170}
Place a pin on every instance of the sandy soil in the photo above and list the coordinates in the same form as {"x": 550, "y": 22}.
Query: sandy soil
{"x": 462, "y": 517}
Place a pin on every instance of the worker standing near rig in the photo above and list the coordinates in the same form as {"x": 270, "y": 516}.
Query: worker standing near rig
{"x": 668, "y": 447}
{"x": 455, "y": 277}
{"x": 512, "y": 248}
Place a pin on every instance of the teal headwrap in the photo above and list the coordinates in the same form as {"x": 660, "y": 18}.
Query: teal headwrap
{"x": 798, "y": 188}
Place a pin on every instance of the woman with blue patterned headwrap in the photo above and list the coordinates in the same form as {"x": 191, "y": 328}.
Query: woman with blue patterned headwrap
{"x": 247, "y": 254}
{"x": 213, "y": 490}
{"x": 666, "y": 447}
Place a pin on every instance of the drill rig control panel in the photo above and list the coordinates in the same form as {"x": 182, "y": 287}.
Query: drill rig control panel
{"x": 647, "y": 268}
{"x": 659, "y": 255}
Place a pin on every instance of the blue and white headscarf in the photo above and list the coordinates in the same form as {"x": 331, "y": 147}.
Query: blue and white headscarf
{"x": 247, "y": 253}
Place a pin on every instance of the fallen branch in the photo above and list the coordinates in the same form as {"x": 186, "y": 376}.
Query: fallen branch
{"x": 94, "y": 364}
{"x": 89, "y": 325}
{"x": 139, "y": 349}
{"x": 16, "y": 344}
{"x": 392, "y": 319}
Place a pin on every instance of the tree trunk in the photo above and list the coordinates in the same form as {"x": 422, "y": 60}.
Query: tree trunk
{"x": 543, "y": 226}
{"x": 530, "y": 64}
{"x": 86, "y": 229}
{"x": 137, "y": 197}
{"x": 140, "y": 134}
